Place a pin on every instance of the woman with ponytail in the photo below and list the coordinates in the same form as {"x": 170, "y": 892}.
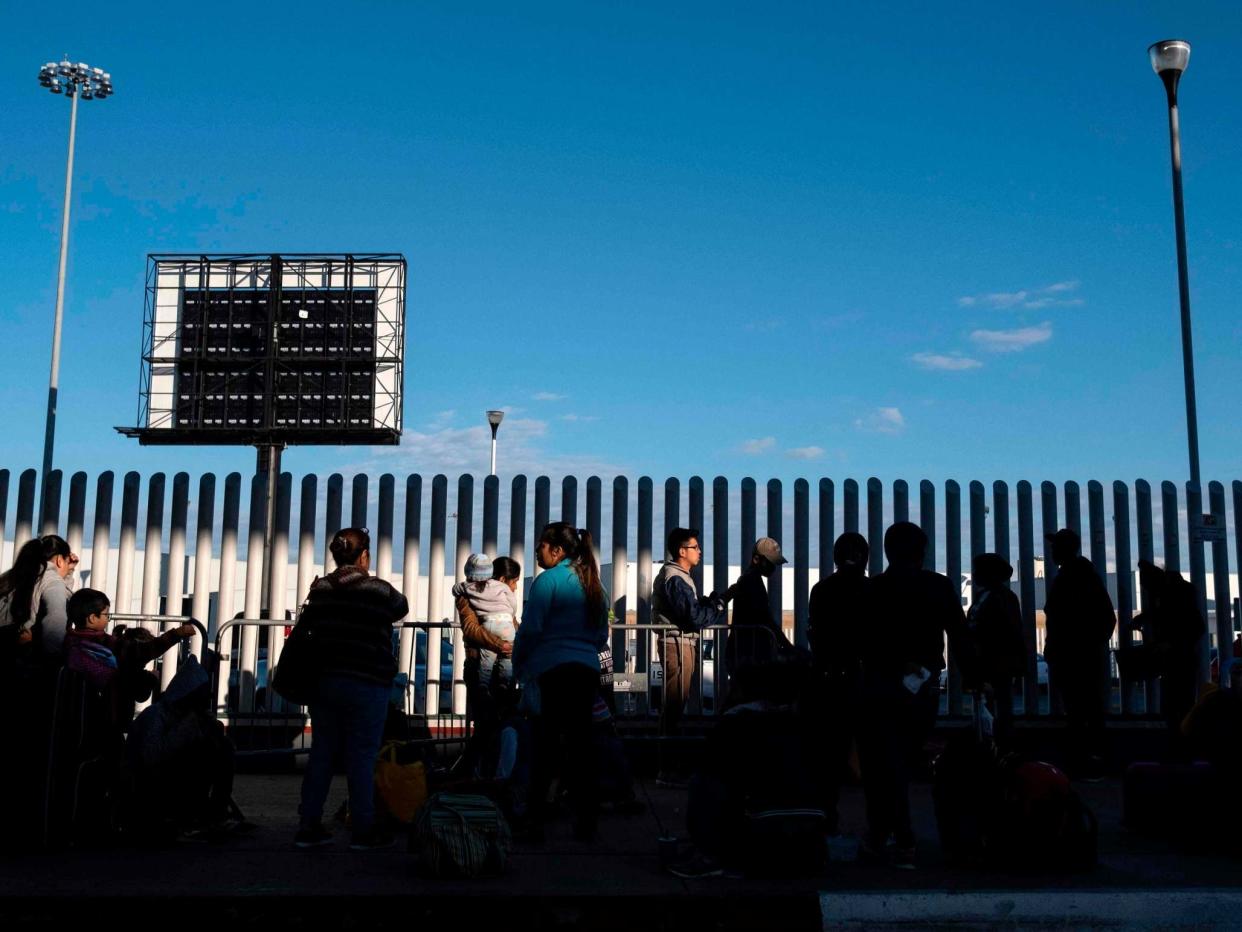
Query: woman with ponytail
{"x": 564, "y": 627}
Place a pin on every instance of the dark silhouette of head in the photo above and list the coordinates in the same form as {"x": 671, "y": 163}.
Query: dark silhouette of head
{"x": 905, "y": 545}
{"x": 1065, "y": 545}
{"x": 850, "y": 552}
{"x": 351, "y": 547}
{"x": 990, "y": 569}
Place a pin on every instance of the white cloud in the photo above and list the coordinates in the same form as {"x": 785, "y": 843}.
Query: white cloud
{"x": 941, "y": 362}
{"x": 1012, "y": 341}
{"x": 1054, "y": 295}
{"x": 548, "y": 396}
{"x": 758, "y": 446}
{"x": 805, "y": 453}
{"x": 882, "y": 421}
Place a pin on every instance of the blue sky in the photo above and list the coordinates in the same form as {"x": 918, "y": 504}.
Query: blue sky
{"x": 890, "y": 239}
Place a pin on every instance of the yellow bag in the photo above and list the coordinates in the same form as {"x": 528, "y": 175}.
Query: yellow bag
{"x": 401, "y": 788}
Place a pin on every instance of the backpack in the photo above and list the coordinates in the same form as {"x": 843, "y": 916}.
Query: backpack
{"x": 1041, "y": 822}
{"x": 458, "y": 835}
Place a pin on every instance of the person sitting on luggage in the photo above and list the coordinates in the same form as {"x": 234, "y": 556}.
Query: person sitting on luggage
{"x": 182, "y": 761}
{"x": 995, "y": 626}
{"x": 112, "y": 663}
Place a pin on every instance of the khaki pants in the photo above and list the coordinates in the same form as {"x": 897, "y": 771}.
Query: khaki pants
{"x": 677, "y": 652}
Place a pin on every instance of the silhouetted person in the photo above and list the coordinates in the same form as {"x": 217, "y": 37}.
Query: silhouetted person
{"x": 1080, "y": 622}
{"x": 912, "y": 610}
{"x": 675, "y": 601}
{"x": 838, "y": 617}
{"x": 752, "y": 610}
{"x": 1172, "y": 627}
{"x": 995, "y": 626}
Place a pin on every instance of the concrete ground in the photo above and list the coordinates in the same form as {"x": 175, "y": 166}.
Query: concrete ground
{"x": 615, "y": 883}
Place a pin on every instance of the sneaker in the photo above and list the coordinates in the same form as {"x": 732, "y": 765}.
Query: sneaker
{"x": 901, "y": 857}
{"x": 315, "y": 836}
{"x": 696, "y": 866}
{"x": 671, "y": 781}
{"x": 375, "y": 839}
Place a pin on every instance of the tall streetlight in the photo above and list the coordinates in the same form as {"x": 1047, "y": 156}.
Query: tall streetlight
{"x": 494, "y": 418}
{"x": 1169, "y": 59}
{"x": 74, "y": 81}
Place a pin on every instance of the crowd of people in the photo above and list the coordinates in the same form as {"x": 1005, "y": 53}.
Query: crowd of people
{"x": 538, "y": 675}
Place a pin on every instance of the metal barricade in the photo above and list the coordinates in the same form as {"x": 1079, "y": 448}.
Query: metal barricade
{"x": 638, "y": 679}
{"x": 260, "y": 721}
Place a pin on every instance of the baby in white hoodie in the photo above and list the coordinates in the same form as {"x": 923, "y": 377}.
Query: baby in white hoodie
{"x": 495, "y": 605}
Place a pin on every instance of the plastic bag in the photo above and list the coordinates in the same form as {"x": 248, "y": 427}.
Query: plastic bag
{"x": 400, "y": 787}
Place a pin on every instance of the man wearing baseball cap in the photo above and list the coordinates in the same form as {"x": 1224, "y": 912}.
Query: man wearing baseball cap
{"x": 752, "y": 610}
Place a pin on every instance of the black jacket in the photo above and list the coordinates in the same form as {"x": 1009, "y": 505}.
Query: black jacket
{"x": 751, "y": 609}
{"x": 838, "y": 619}
{"x": 1079, "y": 615}
{"x": 352, "y": 615}
{"x": 911, "y": 613}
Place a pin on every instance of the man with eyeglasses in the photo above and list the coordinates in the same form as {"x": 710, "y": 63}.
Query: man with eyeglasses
{"x": 675, "y": 601}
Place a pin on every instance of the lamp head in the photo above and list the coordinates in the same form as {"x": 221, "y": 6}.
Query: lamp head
{"x": 1169, "y": 55}
{"x": 494, "y": 418}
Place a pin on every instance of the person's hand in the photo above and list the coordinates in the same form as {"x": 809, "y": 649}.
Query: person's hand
{"x": 186, "y": 631}
{"x": 730, "y": 593}
{"x": 24, "y": 636}
{"x": 506, "y": 649}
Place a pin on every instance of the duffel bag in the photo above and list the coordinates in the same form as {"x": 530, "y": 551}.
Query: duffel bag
{"x": 459, "y": 835}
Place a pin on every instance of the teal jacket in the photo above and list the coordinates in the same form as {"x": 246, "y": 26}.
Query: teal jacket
{"x": 555, "y": 628}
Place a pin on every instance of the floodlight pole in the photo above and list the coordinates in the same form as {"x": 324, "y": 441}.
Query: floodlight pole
{"x": 493, "y": 419}
{"x": 53, "y": 385}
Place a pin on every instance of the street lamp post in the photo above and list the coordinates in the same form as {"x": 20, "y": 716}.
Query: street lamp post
{"x": 78, "y": 80}
{"x": 1169, "y": 59}
{"x": 494, "y": 418}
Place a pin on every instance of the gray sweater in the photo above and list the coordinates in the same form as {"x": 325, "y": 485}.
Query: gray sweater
{"x": 49, "y": 609}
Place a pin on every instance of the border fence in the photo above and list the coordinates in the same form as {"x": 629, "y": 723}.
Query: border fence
{"x": 411, "y": 522}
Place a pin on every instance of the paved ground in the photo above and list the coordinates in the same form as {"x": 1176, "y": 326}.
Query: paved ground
{"x": 615, "y": 883}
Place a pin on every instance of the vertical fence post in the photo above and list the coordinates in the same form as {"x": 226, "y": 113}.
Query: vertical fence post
{"x": 1171, "y": 520}
{"x": 435, "y": 593}
{"x": 307, "y": 519}
{"x": 358, "y": 502}
{"x": 332, "y": 516}
{"x": 1125, "y": 587}
{"x": 1237, "y": 529}
{"x": 646, "y": 508}
{"x": 24, "y": 528}
{"x": 128, "y": 545}
{"x": 978, "y": 529}
{"x": 204, "y": 533}
{"x": 595, "y": 516}
{"x": 849, "y": 498}
{"x": 76, "y": 522}
{"x": 278, "y": 568}
{"x": 1000, "y": 520}
{"x": 4, "y": 515}
{"x": 1050, "y": 525}
{"x": 152, "y": 548}
{"x": 1099, "y": 559}
{"x": 875, "y": 524}
{"x": 384, "y": 522}
{"x": 620, "y": 567}
{"x": 748, "y": 526}
{"x": 491, "y": 515}
{"x": 174, "y": 592}
{"x": 1026, "y": 588}
{"x": 802, "y": 559}
{"x": 517, "y": 529}
{"x": 901, "y": 501}
{"x": 226, "y": 601}
{"x": 1146, "y": 551}
{"x": 827, "y": 527}
{"x": 543, "y": 508}
{"x": 696, "y": 522}
{"x": 776, "y": 515}
{"x": 569, "y": 500}
{"x": 255, "y": 530}
{"x": 101, "y": 537}
{"x": 720, "y": 579}
{"x": 953, "y": 569}
{"x": 1073, "y": 508}
{"x": 927, "y": 521}
{"x": 49, "y": 516}
{"x": 672, "y": 512}
{"x": 1220, "y": 583}
{"x": 410, "y": 568}
{"x": 1198, "y": 572}
{"x": 465, "y": 536}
